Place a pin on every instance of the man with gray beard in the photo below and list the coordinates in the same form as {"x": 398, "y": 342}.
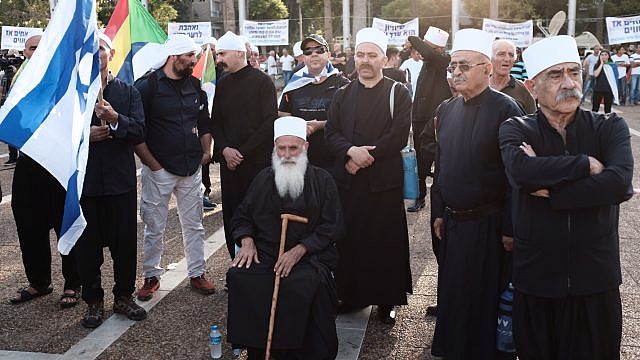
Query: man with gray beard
{"x": 305, "y": 322}
{"x": 570, "y": 170}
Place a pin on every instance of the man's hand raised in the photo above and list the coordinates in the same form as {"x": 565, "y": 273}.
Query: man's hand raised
{"x": 247, "y": 254}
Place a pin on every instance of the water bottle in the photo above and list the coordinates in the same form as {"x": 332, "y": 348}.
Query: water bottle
{"x": 504, "y": 332}
{"x": 215, "y": 342}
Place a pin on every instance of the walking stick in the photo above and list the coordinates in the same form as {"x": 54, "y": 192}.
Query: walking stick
{"x": 276, "y": 286}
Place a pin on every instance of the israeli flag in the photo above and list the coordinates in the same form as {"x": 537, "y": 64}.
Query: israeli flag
{"x": 48, "y": 112}
{"x": 302, "y": 77}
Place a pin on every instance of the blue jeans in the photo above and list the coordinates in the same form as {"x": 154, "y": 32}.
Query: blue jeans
{"x": 634, "y": 89}
{"x": 622, "y": 90}
{"x": 588, "y": 84}
{"x": 286, "y": 74}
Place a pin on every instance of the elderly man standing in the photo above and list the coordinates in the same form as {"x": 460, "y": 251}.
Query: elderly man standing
{"x": 244, "y": 109}
{"x": 177, "y": 142}
{"x": 432, "y": 88}
{"x": 470, "y": 204}
{"x": 571, "y": 169}
{"x": 502, "y": 59}
{"x": 309, "y": 97}
{"x": 366, "y": 134}
{"x": 109, "y": 196}
{"x": 305, "y": 326}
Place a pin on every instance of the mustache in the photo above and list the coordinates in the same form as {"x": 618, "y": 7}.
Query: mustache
{"x": 568, "y": 94}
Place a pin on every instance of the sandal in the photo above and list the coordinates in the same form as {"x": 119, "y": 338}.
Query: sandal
{"x": 25, "y": 295}
{"x": 68, "y": 300}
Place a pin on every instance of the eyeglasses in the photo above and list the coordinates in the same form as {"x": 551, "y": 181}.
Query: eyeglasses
{"x": 464, "y": 67}
{"x": 318, "y": 49}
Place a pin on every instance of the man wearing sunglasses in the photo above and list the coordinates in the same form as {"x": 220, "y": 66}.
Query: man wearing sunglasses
{"x": 470, "y": 204}
{"x": 309, "y": 97}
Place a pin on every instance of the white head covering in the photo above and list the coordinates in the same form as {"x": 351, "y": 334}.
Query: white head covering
{"x": 436, "y": 36}
{"x": 102, "y": 36}
{"x": 210, "y": 40}
{"x": 230, "y": 42}
{"x": 290, "y": 125}
{"x": 254, "y": 49}
{"x": 178, "y": 44}
{"x": 297, "y": 49}
{"x": 473, "y": 40}
{"x": 374, "y": 36}
{"x": 548, "y": 52}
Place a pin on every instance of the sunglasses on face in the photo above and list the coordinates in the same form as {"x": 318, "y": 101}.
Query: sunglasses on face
{"x": 464, "y": 67}
{"x": 318, "y": 50}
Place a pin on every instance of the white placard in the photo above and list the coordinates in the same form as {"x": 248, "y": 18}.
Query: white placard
{"x": 520, "y": 33}
{"x": 396, "y": 32}
{"x": 13, "y": 37}
{"x": 267, "y": 33}
{"x": 198, "y": 31}
{"x": 623, "y": 30}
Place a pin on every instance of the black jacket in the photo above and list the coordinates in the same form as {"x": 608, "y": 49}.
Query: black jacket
{"x": 567, "y": 244}
{"x": 111, "y": 166}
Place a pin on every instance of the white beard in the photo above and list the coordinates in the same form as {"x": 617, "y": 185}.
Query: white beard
{"x": 289, "y": 176}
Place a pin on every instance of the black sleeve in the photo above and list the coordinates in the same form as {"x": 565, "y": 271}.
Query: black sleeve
{"x": 142, "y": 85}
{"x": 242, "y": 221}
{"x": 437, "y": 204}
{"x": 328, "y": 230}
{"x": 395, "y": 139}
{"x": 337, "y": 143}
{"x": 268, "y": 112}
{"x": 131, "y": 125}
{"x": 428, "y": 54}
{"x": 285, "y": 103}
{"x": 217, "y": 130}
{"x": 204, "y": 119}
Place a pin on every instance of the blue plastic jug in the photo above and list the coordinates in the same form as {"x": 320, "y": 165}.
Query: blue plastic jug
{"x": 410, "y": 164}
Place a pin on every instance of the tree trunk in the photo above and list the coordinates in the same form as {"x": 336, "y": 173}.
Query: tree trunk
{"x": 328, "y": 21}
{"x": 359, "y": 16}
{"x": 229, "y": 16}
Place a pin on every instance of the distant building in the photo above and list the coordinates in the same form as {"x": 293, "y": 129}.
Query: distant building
{"x": 212, "y": 11}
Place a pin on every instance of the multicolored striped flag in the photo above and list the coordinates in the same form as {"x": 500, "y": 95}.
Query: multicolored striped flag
{"x": 48, "y": 112}
{"x": 205, "y": 70}
{"x": 137, "y": 38}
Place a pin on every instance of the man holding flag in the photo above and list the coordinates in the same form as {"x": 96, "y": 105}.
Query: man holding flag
{"x": 58, "y": 89}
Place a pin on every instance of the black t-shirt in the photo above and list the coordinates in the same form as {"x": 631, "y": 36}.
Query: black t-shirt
{"x": 601, "y": 84}
{"x": 311, "y": 102}
{"x": 395, "y": 74}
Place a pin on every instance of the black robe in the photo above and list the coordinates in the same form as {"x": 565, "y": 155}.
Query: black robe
{"x": 374, "y": 255}
{"x": 305, "y": 316}
{"x": 244, "y": 109}
{"x": 470, "y": 175}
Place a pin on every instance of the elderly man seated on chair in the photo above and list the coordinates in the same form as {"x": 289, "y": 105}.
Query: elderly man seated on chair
{"x": 306, "y": 308}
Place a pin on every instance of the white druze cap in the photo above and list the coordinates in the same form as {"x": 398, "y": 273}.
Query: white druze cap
{"x": 230, "y": 42}
{"x": 374, "y": 36}
{"x": 178, "y": 44}
{"x": 548, "y": 52}
{"x": 102, "y": 36}
{"x": 290, "y": 125}
{"x": 210, "y": 40}
{"x": 297, "y": 49}
{"x": 437, "y": 37}
{"x": 473, "y": 40}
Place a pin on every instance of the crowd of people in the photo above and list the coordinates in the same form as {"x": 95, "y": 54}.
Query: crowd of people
{"x": 526, "y": 189}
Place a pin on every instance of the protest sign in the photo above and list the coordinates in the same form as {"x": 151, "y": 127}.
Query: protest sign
{"x": 396, "y": 32}
{"x": 520, "y": 33}
{"x": 13, "y": 37}
{"x": 198, "y": 31}
{"x": 623, "y": 30}
{"x": 267, "y": 32}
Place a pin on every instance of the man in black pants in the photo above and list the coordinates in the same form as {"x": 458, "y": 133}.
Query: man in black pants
{"x": 109, "y": 196}
{"x": 33, "y": 231}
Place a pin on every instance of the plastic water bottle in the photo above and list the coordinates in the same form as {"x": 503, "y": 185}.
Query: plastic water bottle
{"x": 504, "y": 331}
{"x": 215, "y": 342}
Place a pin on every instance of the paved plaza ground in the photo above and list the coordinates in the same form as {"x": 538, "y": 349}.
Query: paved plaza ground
{"x": 179, "y": 318}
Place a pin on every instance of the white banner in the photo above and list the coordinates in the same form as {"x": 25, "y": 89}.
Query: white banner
{"x": 198, "y": 31}
{"x": 520, "y": 33}
{"x": 266, "y": 33}
{"x": 397, "y": 33}
{"x": 623, "y": 30}
{"x": 13, "y": 37}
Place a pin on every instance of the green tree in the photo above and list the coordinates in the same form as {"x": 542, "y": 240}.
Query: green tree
{"x": 508, "y": 11}
{"x": 163, "y": 12}
{"x": 431, "y": 13}
{"x": 30, "y": 13}
{"x": 267, "y": 10}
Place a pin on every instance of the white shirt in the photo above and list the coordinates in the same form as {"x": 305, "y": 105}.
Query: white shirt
{"x": 287, "y": 62}
{"x": 592, "y": 59}
{"x": 413, "y": 67}
{"x": 621, "y": 61}
{"x": 635, "y": 58}
{"x": 272, "y": 68}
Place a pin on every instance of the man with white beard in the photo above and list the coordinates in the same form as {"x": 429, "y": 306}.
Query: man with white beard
{"x": 305, "y": 322}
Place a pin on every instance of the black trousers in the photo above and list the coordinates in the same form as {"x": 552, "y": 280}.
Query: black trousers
{"x": 424, "y": 164}
{"x": 576, "y": 327}
{"x": 38, "y": 204}
{"x": 111, "y": 221}
{"x": 206, "y": 179}
{"x": 13, "y": 153}
{"x": 598, "y": 96}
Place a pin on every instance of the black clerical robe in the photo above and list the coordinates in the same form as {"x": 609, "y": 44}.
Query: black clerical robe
{"x": 305, "y": 317}
{"x": 244, "y": 109}
{"x": 470, "y": 192}
{"x": 374, "y": 255}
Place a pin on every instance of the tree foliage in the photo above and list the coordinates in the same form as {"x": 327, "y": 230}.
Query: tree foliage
{"x": 508, "y": 10}
{"x": 267, "y": 10}
{"x": 29, "y": 13}
{"x": 163, "y": 12}
{"x": 431, "y": 13}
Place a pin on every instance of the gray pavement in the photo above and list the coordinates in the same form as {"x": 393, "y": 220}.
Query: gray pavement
{"x": 177, "y": 327}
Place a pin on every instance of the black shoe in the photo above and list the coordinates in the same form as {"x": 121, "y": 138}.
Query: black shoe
{"x": 432, "y": 310}
{"x": 386, "y": 314}
{"x": 417, "y": 205}
{"x": 127, "y": 306}
{"x": 93, "y": 316}
{"x": 207, "y": 204}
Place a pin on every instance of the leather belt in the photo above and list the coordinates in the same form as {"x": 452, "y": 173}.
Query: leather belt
{"x": 480, "y": 211}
